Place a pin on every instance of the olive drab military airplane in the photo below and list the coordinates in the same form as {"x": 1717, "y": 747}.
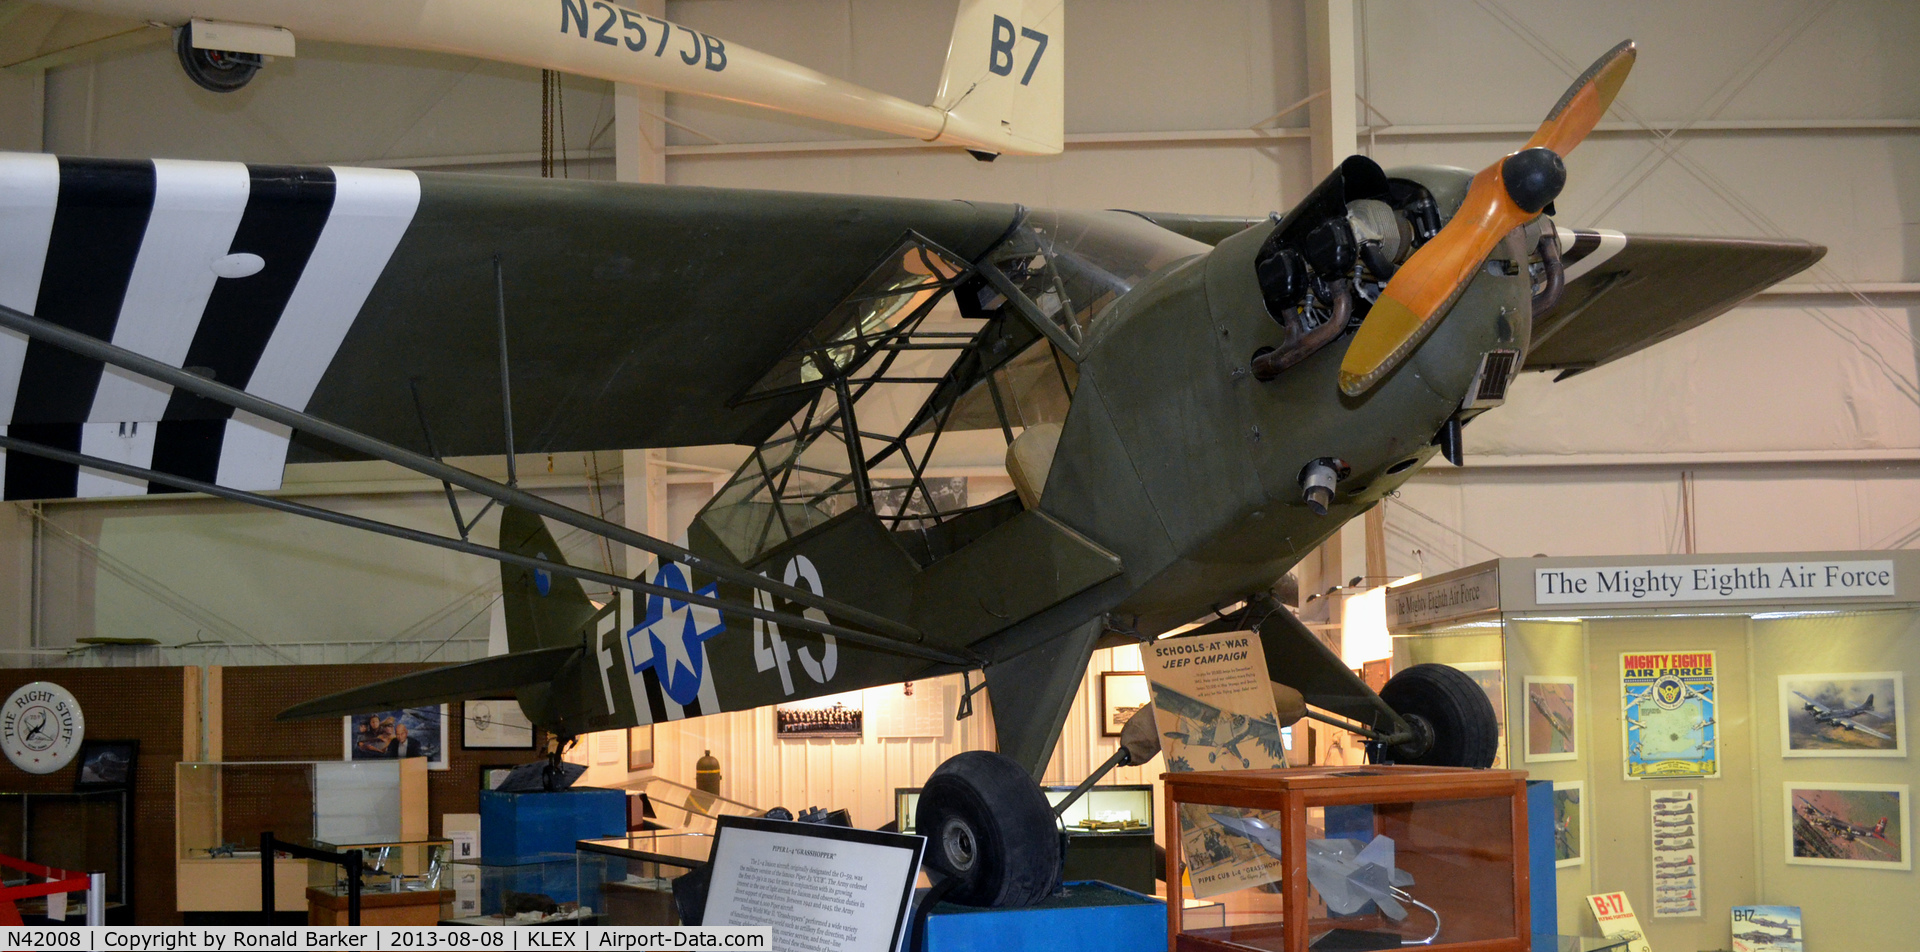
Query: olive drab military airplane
{"x": 1188, "y": 406}
{"x": 1001, "y": 90}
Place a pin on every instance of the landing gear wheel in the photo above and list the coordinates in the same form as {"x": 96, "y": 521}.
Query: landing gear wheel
{"x": 217, "y": 71}
{"x": 988, "y": 826}
{"x": 1452, "y": 720}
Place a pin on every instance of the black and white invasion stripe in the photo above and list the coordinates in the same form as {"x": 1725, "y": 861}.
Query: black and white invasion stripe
{"x": 250, "y": 274}
{"x": 1584, "y": 249}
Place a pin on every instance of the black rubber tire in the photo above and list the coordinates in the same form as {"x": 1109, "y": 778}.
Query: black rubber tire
{"x": 1466, "y": 732}
{"x": 988, "y": 826}
{"x": 213, "y": 70}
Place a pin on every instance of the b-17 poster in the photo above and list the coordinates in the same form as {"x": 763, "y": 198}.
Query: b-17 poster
{"x": 1766, "y": 929}
{"x": 1670, "y": 715}
{"x": 1213, "y": 706}
{"x": 1843, "y": 715}
{"x": 1863, "y": 825}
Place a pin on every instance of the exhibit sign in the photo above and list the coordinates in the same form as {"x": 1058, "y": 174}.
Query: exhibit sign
{"x": 1615, "y": 916}
{"x": 1669, "y": 722}
{"x": 819, "y": 888}
{"x": 1213, "y": 706}
{"x": 1767, "y": 929}
{"x": 41, "y": 727}
{"x": 1676, "y": 852}
{"x": 1732, "y": 582}
{"x": 1428, "y": 602}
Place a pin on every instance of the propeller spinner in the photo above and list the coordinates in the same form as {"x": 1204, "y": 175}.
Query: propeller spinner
{"x": 1503, "y": 196}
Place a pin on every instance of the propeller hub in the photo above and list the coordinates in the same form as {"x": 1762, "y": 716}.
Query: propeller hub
{"x": 1533, "y": 177}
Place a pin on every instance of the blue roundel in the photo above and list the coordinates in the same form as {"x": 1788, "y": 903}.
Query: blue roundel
{"x": 542, "y": 579}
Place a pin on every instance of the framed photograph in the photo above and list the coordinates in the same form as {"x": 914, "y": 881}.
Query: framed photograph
{"x": 835, "y": 715}
{"x": 106, "y": 764}
{"x": 1549, "y": 726}
{"x": 1121, "y": 694}
{"x": 1862, "y": 825}
{"x": 639, "y": 748}
{"x": 495, "y": 723}
{"x": 1843, "y": 715}
{"x": 1569, "y": 823}
{"x": 408, "y": 732}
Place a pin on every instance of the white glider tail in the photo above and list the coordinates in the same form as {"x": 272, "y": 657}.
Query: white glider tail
{"x": 1000, "y": 92}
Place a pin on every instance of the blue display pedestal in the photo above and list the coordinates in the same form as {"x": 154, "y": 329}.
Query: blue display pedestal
{"x": 1542, "y": 871}
{"x": 521, "y": 828}
{"x": 1090, "y": 916}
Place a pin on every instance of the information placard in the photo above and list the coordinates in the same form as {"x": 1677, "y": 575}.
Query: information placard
{"x": 819, "y": 888}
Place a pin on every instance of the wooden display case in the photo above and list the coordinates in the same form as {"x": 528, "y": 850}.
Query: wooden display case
{"x": 1460, "y": 833}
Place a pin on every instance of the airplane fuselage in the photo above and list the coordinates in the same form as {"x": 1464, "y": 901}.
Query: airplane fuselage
{"x": 1177, "y": 458}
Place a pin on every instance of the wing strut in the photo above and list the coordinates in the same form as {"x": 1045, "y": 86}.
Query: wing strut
{"x": 878, "y": 642}
{"x": 890, "y": 631}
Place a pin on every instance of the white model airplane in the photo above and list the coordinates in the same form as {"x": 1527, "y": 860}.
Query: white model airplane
{"x": 999, "y": 93}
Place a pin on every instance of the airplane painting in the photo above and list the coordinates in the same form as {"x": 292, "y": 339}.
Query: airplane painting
{"x": 1189, "y": 405}
{"x": 1774, "y": 928}
{"x": 1843, "y": 715}
{"x": 1000, "y": 93}
{"x": 1569, "y": 837}
{"x": 1549, "y": 726}
{"x": 1863, "y": 825}
{"x": 1206, "y": 727}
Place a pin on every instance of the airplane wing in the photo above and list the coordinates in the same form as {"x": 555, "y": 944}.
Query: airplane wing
{"x": 1626, "y": 293}
{"x": 1864, "y": 729}
{"x": 636, "y": 315}
{"x": 1822, "y": 708}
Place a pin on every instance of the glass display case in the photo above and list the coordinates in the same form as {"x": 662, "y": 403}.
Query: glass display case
{"x": 630, "y": 878}
{"x": 81, "y": 830}
{"x": 400, "y": 884}
{"x": 1393, "y": 855}
{"x": 524, "y": 894}
{"x": 222, "y": 807}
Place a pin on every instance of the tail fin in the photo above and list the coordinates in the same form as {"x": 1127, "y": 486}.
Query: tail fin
{"x": 1003, "y": 86}
{"x": 543, "y": 610}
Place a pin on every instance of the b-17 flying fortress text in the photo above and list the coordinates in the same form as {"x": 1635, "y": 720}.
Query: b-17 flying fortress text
{"x": 1752, "y": 581}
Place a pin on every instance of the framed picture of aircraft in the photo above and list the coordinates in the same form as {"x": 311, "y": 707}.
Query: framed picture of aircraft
{"x": 1549, "y": 725}
{"x": 1569, "y": 823}
{"x": 1121, "y": 694}
{"x": 495, "y": 723}
{"x": 1862, "y": 825}
{"x": 1843, "y": 715}
{"x": 406, "y": 732}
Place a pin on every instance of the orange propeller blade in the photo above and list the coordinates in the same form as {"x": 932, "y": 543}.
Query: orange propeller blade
{"x": 1589, "y": 98}
{"x": 1502, "y": 197}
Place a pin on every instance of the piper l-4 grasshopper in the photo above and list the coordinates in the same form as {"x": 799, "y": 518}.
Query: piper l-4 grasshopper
{"x": 1189, "y": 405}
{"x": 1001, "y": 91}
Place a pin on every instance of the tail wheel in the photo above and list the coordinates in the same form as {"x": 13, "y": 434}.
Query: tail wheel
{"x": 988, "y": 826}
{"x": 1453, "y": 722}
{"x": 217, "y": 71}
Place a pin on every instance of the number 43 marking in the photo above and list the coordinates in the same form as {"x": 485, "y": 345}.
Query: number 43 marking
{"x": 1000, "y": 55}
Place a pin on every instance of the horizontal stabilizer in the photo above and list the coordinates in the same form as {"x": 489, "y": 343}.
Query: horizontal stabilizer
{"x": 451, "y": 683}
